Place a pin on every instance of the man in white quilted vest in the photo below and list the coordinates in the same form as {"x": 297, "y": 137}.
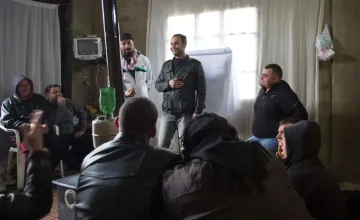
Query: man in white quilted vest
{"x": 136, "y": 68}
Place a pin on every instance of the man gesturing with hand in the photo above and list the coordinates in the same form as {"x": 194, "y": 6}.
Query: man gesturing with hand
{"x": 36, "y": 200}
{"x": 182, "y": 82}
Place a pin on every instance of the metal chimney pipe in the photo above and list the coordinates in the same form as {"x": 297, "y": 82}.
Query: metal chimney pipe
{"x": 111, "y": 35}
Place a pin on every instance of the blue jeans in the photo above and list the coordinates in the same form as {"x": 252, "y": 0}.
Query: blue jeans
{"x": 168, "y": 125}
{"x": 270, "y": 144}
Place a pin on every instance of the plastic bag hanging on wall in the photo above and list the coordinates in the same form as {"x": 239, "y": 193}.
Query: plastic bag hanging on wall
{"x": 324, "y": 45}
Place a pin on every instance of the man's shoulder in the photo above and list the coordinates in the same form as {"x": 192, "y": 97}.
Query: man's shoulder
{"x": 38, "y": 97}
{"x": 161, "y": 152}
{"x": 284, "y": 87}
{"x": 195, "y": 61}
{"x": 8, "y": 100}
{"x": 144, "y": 58}
{"x": 146, "y": 157}
{"x": 168, "y": 62}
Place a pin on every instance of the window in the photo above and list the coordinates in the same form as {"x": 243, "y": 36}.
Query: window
{"x": 234, "y": 28}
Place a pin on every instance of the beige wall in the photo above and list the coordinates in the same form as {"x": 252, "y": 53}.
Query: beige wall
{"x": 345, "y": 151}
{"x": 339, "y": 81}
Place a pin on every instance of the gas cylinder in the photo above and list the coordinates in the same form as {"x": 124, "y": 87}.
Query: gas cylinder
{"x": 103, "y": 130}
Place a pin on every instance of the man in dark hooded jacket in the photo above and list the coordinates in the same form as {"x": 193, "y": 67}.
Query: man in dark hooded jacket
{"x": 223, "y": 178}
{"x": 15, "y": 112}
{"x": 299, "y": 145}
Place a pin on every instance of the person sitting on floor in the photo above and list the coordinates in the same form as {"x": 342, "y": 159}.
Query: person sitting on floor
{"x": 224, "y": 178}
{"x": 36, "y": 200}
{"x": 121, "y": 179}
{"x": 15, "y": 112}
{"x": 299, "y": 145}
{"x": 63, "y": 112}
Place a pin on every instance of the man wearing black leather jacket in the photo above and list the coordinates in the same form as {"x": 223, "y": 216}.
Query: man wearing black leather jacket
{"x": 36, "y": 200}
{"x": 122, "y": 178}
{"x": 182, "y": 82}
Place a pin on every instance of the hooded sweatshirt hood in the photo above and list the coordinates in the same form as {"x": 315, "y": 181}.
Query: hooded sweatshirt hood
{"x": 17, "y": 80}
{"x": 210, "y": 138}
{"x": 279, "y": 85}
{"x": 303, "y": 141}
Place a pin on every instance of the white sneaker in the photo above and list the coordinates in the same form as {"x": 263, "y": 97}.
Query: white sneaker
{"x": 9, "y": 180}
{"x": 2, "y": 184}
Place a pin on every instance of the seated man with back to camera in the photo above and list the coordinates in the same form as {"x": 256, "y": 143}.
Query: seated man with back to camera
{"x": 275, "y": 102}
{"x": 64, "y": 112}
{"x": 122, "y": 178}
{"x": 222, "y": 177}
{"x": 15, "y": 112}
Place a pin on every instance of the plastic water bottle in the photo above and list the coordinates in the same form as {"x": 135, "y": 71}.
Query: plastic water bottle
{"x": 107, "y": 101}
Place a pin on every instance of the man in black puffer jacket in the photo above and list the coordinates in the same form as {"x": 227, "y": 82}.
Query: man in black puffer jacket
{"x": 121, "y": 179}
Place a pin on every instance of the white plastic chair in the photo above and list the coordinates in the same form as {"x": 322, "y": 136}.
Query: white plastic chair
{"x": 57, "y": 132}
{"x": 20, "y": 157}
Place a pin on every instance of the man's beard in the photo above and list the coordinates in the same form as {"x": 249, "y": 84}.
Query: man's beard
{"x": 128, "y": 54}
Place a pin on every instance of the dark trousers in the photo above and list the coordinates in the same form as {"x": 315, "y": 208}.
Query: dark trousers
{"x": 60, "y": 151}
{"x": 79, "y": 147}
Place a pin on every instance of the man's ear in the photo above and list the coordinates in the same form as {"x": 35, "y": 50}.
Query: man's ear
{"x": 152, "y": 132}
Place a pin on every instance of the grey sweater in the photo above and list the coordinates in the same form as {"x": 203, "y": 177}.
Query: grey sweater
{"x": 64, "y": 116}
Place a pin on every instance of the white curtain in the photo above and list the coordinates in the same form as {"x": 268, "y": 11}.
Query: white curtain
{"x": 29, "y": 44}
{"x": 258, "y": 32}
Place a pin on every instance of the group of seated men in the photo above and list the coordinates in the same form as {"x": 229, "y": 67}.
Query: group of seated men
{"x": 217, "y": 176}
{"x": 70, "y": 118}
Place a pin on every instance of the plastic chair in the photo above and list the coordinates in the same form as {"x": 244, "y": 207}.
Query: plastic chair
{"x": 20, "y": 157}
{"x": 57, "y": 132}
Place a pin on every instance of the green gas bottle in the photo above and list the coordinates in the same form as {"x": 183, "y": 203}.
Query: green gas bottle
{"x": 103, "y": 127}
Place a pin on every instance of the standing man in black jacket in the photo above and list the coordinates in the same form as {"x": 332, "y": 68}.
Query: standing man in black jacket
{"x": 182, "y": 82}
{"x": 275, "y": 102}
{"x": 122, "y": 178}
{"x": 36, "y": 201}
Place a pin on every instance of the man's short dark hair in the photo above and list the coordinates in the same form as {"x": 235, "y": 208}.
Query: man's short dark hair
{"x": 276, "y": 69}
{"x": 126, "y": 36}
{"x": 47, "y": 89}
{"x": 137, "y": 115}
{"x": 182, "y": 37}
{"x": 288, "y": 121}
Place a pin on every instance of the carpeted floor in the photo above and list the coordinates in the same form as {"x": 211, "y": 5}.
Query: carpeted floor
{"x": 53, "y": 215}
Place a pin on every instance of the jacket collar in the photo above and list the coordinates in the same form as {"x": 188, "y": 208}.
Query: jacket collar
{"x": 186, "y": 57}
{"x": 128, "y": 136}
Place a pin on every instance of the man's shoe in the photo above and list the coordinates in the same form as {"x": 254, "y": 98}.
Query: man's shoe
{"x": 2, "y": 184}
{"x": 9, "y": 180}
